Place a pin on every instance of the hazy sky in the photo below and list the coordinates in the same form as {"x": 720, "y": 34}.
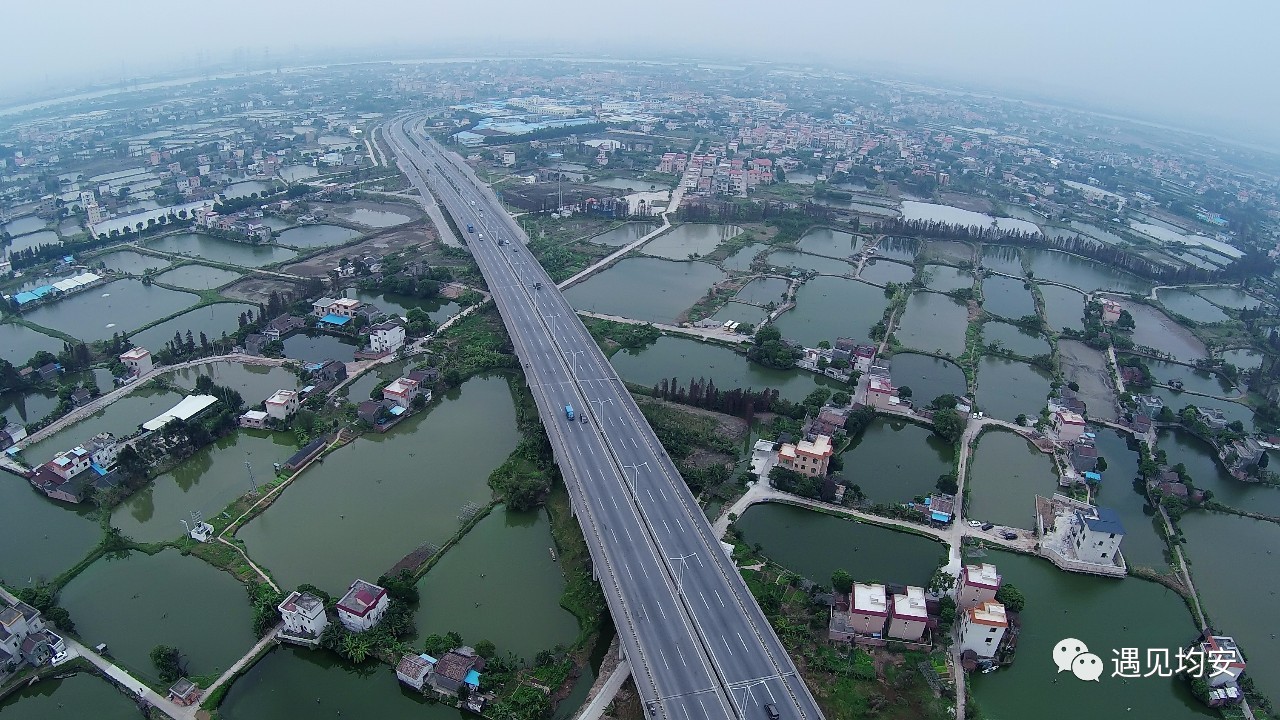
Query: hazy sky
{"x": 1198, "y": 65}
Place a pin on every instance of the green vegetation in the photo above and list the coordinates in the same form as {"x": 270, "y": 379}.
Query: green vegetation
{"x": 769, "y": 349}
{"x": 168, "y": 662}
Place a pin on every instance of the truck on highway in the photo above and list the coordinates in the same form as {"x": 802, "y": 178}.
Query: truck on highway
{"x": 568, "y": 411}
{"x": 471, "y": 228}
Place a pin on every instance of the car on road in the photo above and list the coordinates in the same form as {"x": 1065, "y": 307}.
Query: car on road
{"x": 987, "y": 526}
{"x": 772, "y": 711}
{"x": 1008, "y": 535}
{"x": 974, "y": 524}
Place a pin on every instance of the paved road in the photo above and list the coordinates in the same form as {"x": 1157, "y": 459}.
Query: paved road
{"x": 118, "y": 674}
{"x": 697, "y": 643}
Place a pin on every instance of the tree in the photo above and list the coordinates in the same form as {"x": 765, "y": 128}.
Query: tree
{"x": 1021, "y": 419}
{"x": 841, "y": 581}
{"x": 486, "y": 649}
{"x": 1011, "y": 597}
{"x": 1102, "y": 464}
{"x": 168, "y": 662}
{"x": 356, "y": 646}
{"x": 904, "y": 392}
{"x": 947, "y": 484}
{"x": 948, "y": 425}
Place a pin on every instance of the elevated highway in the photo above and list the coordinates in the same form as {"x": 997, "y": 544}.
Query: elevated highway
{"x": 698, "y": 644}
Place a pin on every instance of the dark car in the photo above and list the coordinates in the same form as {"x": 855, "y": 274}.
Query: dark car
{"x": 1009, "y": 535}
{"x": 987, "y": 526}
{"x": 772, "y": 710}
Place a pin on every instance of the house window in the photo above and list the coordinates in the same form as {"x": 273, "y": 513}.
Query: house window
{"x": 1113, "y": 536}
{"x": 989, "y": 640}
{"x": 992, "y": 630}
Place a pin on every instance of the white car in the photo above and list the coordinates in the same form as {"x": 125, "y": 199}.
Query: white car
{"x": 974, "y": 524}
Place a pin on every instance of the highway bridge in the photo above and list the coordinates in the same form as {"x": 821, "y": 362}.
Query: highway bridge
{"x": 699, "y": 646}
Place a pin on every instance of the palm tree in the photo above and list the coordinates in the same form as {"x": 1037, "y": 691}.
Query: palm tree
{"x": 356, "y": 647}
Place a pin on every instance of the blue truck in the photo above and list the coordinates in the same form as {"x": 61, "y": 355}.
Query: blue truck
{"x": 568, "y": 411}
{"x": 471, "y": 228}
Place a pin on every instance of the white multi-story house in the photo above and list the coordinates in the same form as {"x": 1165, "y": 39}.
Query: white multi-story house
{"x": 138, "y": 360}
{"x": 386, "y": 337}
{"x": 71, "y": 463}
{"x": 363, "y": 606}
{"x": 304, "y": 618}
{"x": 401, "y": 391}
{"x": 103, "y": 449}
{"x": 982, "y": 627}
{"x": 908, "y": 615}
{"x": 282, "y": 404}
{"x": 977, "y": 584}
{"x": 1097, "y": 536}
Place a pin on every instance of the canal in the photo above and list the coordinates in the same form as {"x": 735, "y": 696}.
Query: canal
{"x": 339, "y": 521}
{"x": 895, "y": 461}
{"x": 19, "y": 343}
{"x": 1233, "y": 567}
{"x": 689, "y": 241}
{"x": 207, "y": 481}
{"x": 815, "y": 545}
{"x": 212, "y": 320}
{"x": 813, "y": 320}
{"x": 121, "y": 418}
{"x": 501, "y": 570}
{"x": 198, "y": 277}
{"x": 1063, "y": 307}
{"x": 120, "y": 306}
{"x": 80, "y": 696}
{"x": 53, "y": 536}
{"x": 825, "y": 241}
{"x": 217, "y": 250}
{"x": 1106, "y": 614}
{"x": 254, "y": 382}
{"x": 944, "y": 278}
{"x": 289, "y": 679}
{"x": 645, "y": 288}
{"x": 1005, "y": 475}
{"x": 1007, "y": 389}
{"x": 1197, "y": 456}
{"x": 1007, "y": 298}
{"x": 139, "y": 601}
{"x": 129, "y": 261}
{"x": 927, "y": 376}
{"x": 1143, "y": 545}
{"x": 934, "y": 323}
{"x": 686, "y": 359}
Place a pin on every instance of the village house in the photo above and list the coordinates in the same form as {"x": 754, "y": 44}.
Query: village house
{"x": 363, "y": 606}
{"x": 908, "y": 615}
{"x": 386, "y": 337}
{"x": 282, "y": 404}
{"x": 976, "y": 585}
{"x": 103, "y": 450}
{"x": 881, "y": 394}
{"x": 10, "y": 434}
{"x": 1068, "y": 426}
{"x": 1084, "y": 457}
{"x": 326, "y": 374}
{"x": 412, "y": 670}
{"x": 184, "y": 693}
{"x": 458, "y": 667}
{"x": 807, "y": 457}
{"x": 1097, "y": 536}
{"x": 1110, "y": 311}
{"x": 282, "y": 326}
{"x": 304, "y": 618}
{"x": 982, "y": 627}
{"x": 862, "y": 612}
{"x": 17, "y": 623}
{"x": 64, "y": 477}
{"x": 254, "y": 419}
{"x": 309, "y": 452}
{"x": 401, "y": 392}
{"x": 1224, "y": 663}
{"x": 138, "y": 361}
{"x": 830, "y": 421}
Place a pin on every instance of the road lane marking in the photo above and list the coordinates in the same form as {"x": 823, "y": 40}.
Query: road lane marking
{"x": 744, "y": 643}
{"x": 726, "y": 644}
